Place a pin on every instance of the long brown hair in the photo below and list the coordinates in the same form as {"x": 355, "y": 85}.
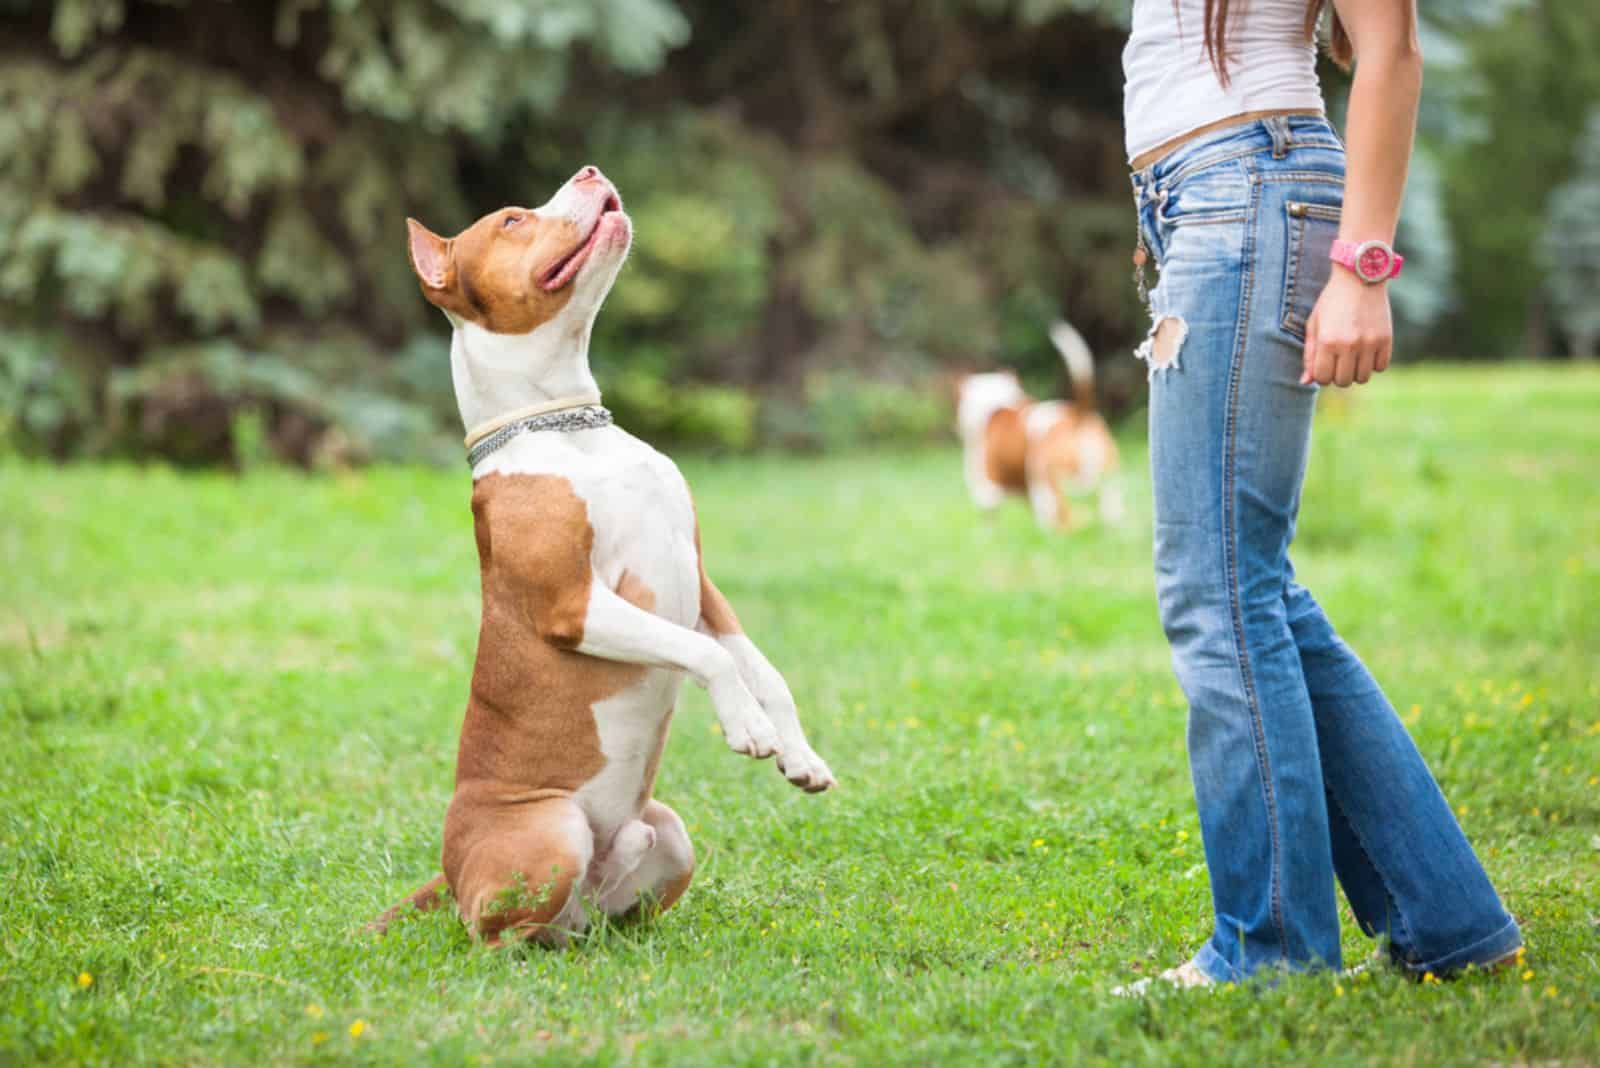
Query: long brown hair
{"x": 1217, "y": 12}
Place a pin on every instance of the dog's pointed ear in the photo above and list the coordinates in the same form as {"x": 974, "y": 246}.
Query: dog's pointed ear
{"x": 432, "y": 257}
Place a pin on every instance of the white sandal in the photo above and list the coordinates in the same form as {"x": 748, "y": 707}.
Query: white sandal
{"x": 1184, "y": 977}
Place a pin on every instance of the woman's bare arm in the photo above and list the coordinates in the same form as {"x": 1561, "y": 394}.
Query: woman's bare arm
{"x": 1351, "y": 332}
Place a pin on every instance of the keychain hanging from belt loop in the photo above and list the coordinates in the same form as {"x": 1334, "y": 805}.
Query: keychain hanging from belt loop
{"x": 1141, "y": 251}
{"x": 1140, "y": 257}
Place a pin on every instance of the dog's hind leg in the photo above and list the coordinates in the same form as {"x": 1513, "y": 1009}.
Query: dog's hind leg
{"x": 628, "y": 848}
{"x": 662, "y": 873}
{"x": 1044, "y": 494}
{"x": 985, "y": 494}
{"x": 425, "y": 899}
{"x": 1112, "y": 509}
{"x": 519, "y": 878}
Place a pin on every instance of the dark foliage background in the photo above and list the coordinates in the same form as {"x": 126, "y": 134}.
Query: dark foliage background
{"x": 202, "y": 204}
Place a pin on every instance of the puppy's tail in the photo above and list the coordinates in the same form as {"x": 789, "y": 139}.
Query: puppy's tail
{"x": 1080, "y": 362}
{"x": 426, "y": 898}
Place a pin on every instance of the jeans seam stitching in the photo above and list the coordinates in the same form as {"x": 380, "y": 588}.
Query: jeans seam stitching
{"x": 1361, "y": 844}
{"x": 1204, "y": 220}
{"x": 1230, "y": 560}
{"x": 1303, "y": 176}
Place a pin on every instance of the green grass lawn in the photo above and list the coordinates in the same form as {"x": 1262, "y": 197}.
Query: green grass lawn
{"x": 230, "y": 708}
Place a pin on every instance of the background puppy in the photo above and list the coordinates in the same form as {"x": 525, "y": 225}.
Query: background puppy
{"x": 1046, "y": 449}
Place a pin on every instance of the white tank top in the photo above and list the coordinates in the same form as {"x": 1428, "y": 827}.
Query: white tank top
{"x": 1171, "y": 87}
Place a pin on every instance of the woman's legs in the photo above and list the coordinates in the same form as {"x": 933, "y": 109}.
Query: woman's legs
{"x": 1300, "y": 766}
{"x": 1229, "y": 425}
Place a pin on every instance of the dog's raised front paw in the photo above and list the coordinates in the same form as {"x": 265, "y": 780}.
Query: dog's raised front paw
{"x": 804, "y": 768}
{"x": 755, "y": 737}
{"x": 745, "y": 726}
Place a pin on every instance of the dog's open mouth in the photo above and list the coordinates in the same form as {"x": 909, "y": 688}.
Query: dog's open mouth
{"x": 565, "y": 269}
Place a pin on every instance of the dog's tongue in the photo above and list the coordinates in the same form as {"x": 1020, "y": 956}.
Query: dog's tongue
{"x": 567, "y": 268}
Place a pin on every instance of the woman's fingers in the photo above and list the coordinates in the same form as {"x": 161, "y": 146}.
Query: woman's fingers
{"x": 1348, "y": 361}
{"x": 1327, "y": 361}
{"x": 1344, "y": 372}
{"x": 1365, "y": 364}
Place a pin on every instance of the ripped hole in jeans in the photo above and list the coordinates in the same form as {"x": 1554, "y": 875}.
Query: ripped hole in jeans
{"x": 1161, "y": 346}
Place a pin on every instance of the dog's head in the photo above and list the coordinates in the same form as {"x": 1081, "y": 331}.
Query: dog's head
{"x": 517, "y": 269}
{"x": 979, "y": 396}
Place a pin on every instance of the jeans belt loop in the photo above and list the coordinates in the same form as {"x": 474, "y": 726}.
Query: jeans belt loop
{"x": 1282, "y": 138}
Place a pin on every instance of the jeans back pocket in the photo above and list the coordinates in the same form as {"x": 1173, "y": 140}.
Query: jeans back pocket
{"x": 1312, "y": 230}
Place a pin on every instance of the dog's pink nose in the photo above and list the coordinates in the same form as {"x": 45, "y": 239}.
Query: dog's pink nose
{"x": 588, "y": 174}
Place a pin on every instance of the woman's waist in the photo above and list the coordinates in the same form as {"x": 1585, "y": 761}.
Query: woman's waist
{"x": 1188, "y": 137}
{"x": 1233, "y": 138}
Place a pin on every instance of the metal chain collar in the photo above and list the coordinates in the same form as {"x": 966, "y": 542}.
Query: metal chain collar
{"x": 587, "y": 417}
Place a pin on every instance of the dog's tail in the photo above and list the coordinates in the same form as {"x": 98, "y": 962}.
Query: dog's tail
{"x": 426, "y": 898}
{"x": 1080, "y": 362}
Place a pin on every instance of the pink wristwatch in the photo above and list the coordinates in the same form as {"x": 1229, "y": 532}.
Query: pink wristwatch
{"x": 1372, "y": 261}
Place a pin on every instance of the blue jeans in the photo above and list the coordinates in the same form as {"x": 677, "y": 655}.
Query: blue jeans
{"x": 1302, "y": 771}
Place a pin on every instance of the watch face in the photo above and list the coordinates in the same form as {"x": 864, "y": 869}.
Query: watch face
{"x": 1373, "y": 262}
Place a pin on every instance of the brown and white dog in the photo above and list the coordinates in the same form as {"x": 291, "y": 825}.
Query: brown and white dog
{"x": 1012, "y": 444}
{"x": 596, "y": 601}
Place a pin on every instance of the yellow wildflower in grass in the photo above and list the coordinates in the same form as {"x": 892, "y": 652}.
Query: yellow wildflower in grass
{"x": 1549, "y": 991}
{"x": 1429, "y": 977}
{"x": 1594, "y": 780}
{"x": 314, "y": 1011}
{"x": 1038, "y": 842}
{"x": 1338, "y": 991}
{"x": 358, "y": 1028}
{"x": 1183, "y": 836}
{"x": 85, "y": 980}
{"x": 1527, "y": 975}
{"x": 318, "y": 1037}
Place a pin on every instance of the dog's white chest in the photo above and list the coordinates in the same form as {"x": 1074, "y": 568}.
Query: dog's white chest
{"x": 638, "y": 509}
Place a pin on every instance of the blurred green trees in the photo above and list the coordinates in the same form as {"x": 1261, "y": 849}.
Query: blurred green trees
{"x": 202, "y": 204}
{"x": 201, "y": 208}
{"x": 1521, "y": 94}
{"x": 1572, "y": 249}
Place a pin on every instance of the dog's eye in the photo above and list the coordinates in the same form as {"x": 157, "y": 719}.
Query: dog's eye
{"x": 512, "y": 220}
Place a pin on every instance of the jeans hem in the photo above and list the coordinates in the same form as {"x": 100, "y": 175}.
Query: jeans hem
{"x": 1212, "y": 965}
{"x": 1500, "y": 944}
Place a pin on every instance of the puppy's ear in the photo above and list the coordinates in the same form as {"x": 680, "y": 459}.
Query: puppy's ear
{"x": 433, "y": 258}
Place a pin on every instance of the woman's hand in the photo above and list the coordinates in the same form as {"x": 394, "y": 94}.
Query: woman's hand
{"x": 1350, "y": 334}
